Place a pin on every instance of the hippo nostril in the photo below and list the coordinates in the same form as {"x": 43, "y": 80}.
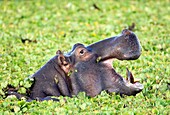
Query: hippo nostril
{"x": 126, "y": 32}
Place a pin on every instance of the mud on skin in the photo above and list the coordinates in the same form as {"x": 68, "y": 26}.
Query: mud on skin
{"x": 92, "y": 70}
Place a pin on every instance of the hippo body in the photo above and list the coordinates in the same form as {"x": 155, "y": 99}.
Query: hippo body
{"x": 49, "y": 80}
{"x": 45, "y": 78}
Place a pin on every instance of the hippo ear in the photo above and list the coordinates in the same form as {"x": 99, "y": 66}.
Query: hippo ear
{"x": 62, "y": 60}
{"x": 58, "y": 52}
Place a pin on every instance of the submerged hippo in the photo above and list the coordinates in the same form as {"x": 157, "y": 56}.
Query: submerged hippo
{"x": 91, "y": 71}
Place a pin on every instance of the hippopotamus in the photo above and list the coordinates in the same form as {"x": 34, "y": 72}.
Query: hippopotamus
{"x": 87, "y": 69}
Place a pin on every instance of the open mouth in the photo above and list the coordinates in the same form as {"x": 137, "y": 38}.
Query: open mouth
{"x": 129, "y": 81}
{"x": 127, "y": 47}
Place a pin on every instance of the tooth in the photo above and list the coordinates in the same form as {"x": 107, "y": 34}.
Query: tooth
{"x": 129, "y": 76}
{"x": 136, "y": 80}
{"x": 98, "y": 59}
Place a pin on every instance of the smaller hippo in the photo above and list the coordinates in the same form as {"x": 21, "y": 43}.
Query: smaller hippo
{"x": 92, "y": 76}
{"x": 50, "y": 80}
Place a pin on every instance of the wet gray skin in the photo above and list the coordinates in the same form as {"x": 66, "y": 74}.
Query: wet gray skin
{"x": 92, "y": 76}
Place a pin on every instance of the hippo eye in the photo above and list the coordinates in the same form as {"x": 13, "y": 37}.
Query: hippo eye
{"x": 65, "y": 64}
{"x": 81, "y": 52}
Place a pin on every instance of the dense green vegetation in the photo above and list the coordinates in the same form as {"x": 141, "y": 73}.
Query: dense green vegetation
{"x": 58, "y": 25}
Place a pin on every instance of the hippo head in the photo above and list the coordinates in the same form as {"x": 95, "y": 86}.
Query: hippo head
{"x": 93, "y": 75}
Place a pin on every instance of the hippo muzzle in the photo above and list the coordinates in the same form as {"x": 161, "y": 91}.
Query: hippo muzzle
{"x": 125, "y": 46}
